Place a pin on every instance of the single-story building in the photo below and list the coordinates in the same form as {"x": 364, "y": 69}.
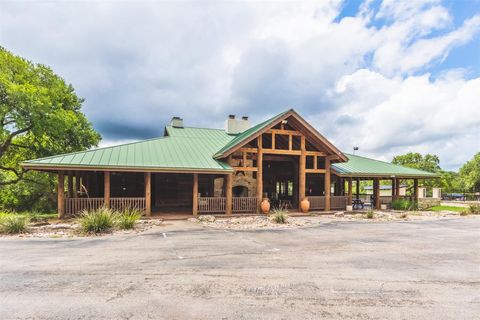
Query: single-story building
{"x": 231, "y": 170}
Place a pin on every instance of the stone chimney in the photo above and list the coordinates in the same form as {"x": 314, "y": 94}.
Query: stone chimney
{"x": 176, "y": 122}
{"x": 235, "y": 126}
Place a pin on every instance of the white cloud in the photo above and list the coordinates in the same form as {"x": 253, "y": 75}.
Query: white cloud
{"x": 139, "y": 63}
{"x": 390, "y": 116}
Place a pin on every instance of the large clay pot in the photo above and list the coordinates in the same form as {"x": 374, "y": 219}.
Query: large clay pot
{"x": 305, "y": 205}
{"x": 265, "y": 205}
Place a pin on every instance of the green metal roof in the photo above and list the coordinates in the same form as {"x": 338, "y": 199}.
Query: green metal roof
{"x": 361, "y": 166}
{"x": 195, "y": 149}
{"x": 239, "y": 139}
{"x": 183, "y": 149}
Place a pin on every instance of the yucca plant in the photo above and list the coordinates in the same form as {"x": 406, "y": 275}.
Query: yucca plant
{"x": 127, "y": 218}
{"x": 96, "y": 221}
{"x": 279, "y": 215}
{"x": 404, "y": 204}
{"x": 370, "y": 214}
{"x": 13, "y": 223}
{"x": 474, "y": 209}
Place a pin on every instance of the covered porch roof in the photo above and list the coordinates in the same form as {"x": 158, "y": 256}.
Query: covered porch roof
{"x": 362, "y": 167}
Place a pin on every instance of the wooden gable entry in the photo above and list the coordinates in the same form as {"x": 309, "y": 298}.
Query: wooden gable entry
{"x": 286, "y": 139}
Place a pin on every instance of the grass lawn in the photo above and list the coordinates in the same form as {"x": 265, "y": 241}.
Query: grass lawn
{"x": 446, "y": 208}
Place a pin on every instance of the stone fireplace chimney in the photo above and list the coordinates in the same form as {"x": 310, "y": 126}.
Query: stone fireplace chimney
{"x": 235, "y": 126}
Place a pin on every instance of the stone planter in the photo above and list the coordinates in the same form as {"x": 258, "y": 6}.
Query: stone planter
{"x": 265, "y": 206}
{"x": 383, "y": 206}
{"x": 305, "y": 205}
{"x": 350, "y": 208}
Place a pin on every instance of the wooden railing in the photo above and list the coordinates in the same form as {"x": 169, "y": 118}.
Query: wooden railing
{"x": 76, "y": 205}
{"x": 338, "y": 202}
{"x": 244, "y": 204}
{"x": 127, "y": 203}
{"x": 317, "y": 202}
{"x": 211, "y": 204}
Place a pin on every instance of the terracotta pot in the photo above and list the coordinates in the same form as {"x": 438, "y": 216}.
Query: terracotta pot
{"x": 305, "y": 205}
{"x": 265, "y": 206}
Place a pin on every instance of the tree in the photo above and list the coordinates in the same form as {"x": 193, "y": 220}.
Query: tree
{"x": 470, "y": 174}
{"x": 40, "y": 115}
{"x": 451, "y": 182}
{"x": 429, "y": 162}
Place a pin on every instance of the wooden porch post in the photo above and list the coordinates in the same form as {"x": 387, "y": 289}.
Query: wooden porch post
{"x": 61, "y": 195}
{"x": 415, "y": 190}
{"x": 148, "y": 194}
{"x": 349, "y": 191}
{"x": 106, "y": 191}
{"x": 195, "y": 194}
{"x": 376, "y": 187}
{"x": 394, "y": 188}
{"x": 259, "y": 173}
{"x": 301, "y": 171}
{"x": 397, "y": 188}
{"x": 357, "y": 186}
{"x": 77, "y": 184}
{"x": 70, "y": 184}
{"x": 229, "y": 193}
{"x": 327, "y": 184}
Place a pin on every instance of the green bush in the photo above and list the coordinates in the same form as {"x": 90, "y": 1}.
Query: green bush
{"x": 474, "y": 209}
{"x": 97, "y": 221}
{"x": 404, "y": 204}
{"x": 13, "y": 223}
{"x": 127, "y": 218}
{"x": 370, "y": 214}
{"x": 279, "y": 215}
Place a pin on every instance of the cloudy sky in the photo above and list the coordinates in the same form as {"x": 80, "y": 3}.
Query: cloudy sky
{"x": 387, "y": 76}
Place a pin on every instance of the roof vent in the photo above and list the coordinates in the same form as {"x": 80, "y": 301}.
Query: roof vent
{"x": 176, "y": 122}
{"x": 234, "y": 126}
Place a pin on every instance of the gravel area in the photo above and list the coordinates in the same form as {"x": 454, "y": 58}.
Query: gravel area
{"x": 267, "y": 222}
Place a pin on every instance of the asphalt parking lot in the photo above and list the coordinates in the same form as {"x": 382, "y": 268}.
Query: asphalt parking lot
{"x": 351, "y": 270}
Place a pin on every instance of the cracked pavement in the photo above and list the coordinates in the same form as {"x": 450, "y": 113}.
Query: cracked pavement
{"x": 182, "y": 270}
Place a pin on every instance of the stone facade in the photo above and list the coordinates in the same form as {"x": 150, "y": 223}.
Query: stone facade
{"x": 240, "y": 179}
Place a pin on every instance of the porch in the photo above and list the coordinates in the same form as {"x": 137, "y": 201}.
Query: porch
{"x": 174, "y": 194}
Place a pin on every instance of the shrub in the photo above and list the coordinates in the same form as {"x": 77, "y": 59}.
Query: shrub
{"x": 127, "y": 218}
{"x": 370, "y": 214}
{"x": 13, "y": 223}
{"x": 96, "y": 221}
{"x": 464, "y": 212}
{"x": 279, "y": 215}
{"x": 404, "y": 204}
{"x": 474, "y": 209}
{"x": 404, "y": 215}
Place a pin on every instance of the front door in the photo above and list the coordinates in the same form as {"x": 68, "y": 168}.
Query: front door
{"x": 280, "y": 183}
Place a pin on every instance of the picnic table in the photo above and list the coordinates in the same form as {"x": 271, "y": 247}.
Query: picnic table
{"x": 357, "y": 204}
